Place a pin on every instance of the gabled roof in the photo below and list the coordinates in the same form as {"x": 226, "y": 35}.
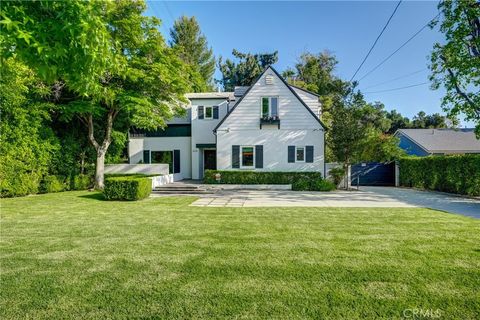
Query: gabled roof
{"x": 286, "y": 84}
{"x": 305, "y": 90}
{"x": 443, "y": 140}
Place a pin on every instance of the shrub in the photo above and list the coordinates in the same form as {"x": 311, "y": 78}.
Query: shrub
{"x": 53, "y": 184}
{"x": 81, "y": 182}
{"x": 323, "y": 185}
{"x": 127, "y": 188}
{"x": 301, "y": 181}
{"x": 456, "y": 174}
{"x": 19, "y": 184}
{"x": 337, "y": 175}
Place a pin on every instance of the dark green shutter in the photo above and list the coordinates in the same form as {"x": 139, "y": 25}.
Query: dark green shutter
{"x": 309, "y": 154}
{"x": 215, "y": 112}
{"x": 236, "y": 157}
{"x": 146, "y": 156}
{"x": 176, "y": 161}
{"x": 200, "y": 112}
{"x": 291, "y": 154}
{"x": 259, "y": 156}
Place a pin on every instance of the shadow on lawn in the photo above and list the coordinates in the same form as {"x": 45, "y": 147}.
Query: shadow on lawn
{"x": 95, "y": 196}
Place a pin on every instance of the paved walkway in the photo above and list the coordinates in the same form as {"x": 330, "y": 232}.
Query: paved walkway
{"x": 366, "y": 197}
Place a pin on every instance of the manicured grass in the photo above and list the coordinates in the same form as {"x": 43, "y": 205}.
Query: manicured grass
{"x": 72, "y": 255}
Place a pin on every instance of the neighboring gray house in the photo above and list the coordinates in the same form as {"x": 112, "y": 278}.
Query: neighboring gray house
{"x": 424, "y": 142}
{"x": 269, "y": 126}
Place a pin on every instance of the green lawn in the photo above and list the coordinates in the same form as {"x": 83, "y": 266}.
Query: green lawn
{"x": 72, "y": 255}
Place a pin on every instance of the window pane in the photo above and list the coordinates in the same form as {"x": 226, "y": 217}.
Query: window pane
{"x": 247, "y": 156}
{"x": 274, "y": 107}
{"x": 300, "y": 154}
{"x": 265, "y": 107}
{"x": 208, "y": 112}
{"x": 163, "y": 157}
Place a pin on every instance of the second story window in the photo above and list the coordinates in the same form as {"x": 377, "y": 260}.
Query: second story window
{"x": 208, "y": 112}
{"x": 270, "y": 107}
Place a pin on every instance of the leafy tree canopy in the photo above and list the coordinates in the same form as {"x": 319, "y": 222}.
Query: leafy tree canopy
{"x": 455, "y": 64}
{"x": 246, "y": 70}
{"x": 127, "y": 69}
{"x": 192, "y": 47}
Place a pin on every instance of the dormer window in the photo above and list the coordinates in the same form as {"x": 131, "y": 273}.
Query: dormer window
{"x": 270, "y": 107}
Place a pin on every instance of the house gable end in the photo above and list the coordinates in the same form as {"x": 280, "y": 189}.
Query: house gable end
{"x": 294, "y": 112}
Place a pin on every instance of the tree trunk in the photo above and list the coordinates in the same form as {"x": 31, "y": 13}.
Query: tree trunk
{"x": 100, "y": 148}
{"x": 100, "y": 169}
{"x": 82, "y": 163}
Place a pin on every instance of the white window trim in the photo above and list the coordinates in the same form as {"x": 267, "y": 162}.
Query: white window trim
{"x": 241, "y": 158}
{"x": 304, "y": 155}
{"x": 205, "y": 113}
{"x": 269, "y": 105}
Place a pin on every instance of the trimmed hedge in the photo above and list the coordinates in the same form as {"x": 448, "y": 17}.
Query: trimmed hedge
{"x": 300, "y": 181}
{"x": 128, "y": 188}
{"x": 456, "y": 174}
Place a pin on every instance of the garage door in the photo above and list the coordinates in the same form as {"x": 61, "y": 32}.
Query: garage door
{"x": 374, "y": 174}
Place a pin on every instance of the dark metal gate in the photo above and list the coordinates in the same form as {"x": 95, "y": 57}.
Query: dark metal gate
{"x": 373, "y": 174}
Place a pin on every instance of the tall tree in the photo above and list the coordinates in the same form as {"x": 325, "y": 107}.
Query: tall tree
{"x": 397, "y": 121}
{"x": 347, "y": 131}
{"x": 455, "y": 64}
{"x": 246, "y": 70}
{"x": 192, "y": 47}
{"x": 316, "y": 72}
{"x": 142, "y": 80}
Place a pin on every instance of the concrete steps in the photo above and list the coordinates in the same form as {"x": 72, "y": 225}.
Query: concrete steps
{"x": 180, "y": 189}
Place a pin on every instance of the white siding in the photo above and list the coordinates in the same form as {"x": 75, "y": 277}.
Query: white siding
{"x": 292, "y": 113}
{"x": 297, "y": 128}
{"x": 137, "y": 145}
{"x": 310, "y": 99}
{"x": 202, "y": 131}
{"x": 275, "y": 148}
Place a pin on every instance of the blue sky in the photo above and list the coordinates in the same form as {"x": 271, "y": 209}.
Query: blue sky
{"x": 346, "y": 28}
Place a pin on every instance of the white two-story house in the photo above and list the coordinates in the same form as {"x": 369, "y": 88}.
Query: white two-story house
{"x": 269, "y": 126}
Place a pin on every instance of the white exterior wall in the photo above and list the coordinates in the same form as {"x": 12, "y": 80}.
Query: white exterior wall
{"x": 202, "y": 131}
{"x": 293, "y": 115}
{"x": 184, "y": 144}
{"x": 297, "y": 128}
{"x": 275, "y": 148}
{"x": 311, "y": 100}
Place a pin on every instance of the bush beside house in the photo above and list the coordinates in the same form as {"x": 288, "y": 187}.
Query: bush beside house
{"x": 300, "y": 181}
{"x": 456, "y": 174}
{"x": 130, "y": 188}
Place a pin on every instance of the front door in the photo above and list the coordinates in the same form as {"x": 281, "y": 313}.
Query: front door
{"x": 209, "y": 160}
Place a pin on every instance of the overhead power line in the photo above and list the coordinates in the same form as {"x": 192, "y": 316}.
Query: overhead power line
{"x": 400, "y": 88}
{"x": 399, "y": 48}
{"x": 397, "y": 78}
{"x": 376, "y": 40}
{"x": 153, "y": 6}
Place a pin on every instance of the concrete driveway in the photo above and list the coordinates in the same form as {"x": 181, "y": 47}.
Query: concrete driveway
{"x": 365, "y": 197}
